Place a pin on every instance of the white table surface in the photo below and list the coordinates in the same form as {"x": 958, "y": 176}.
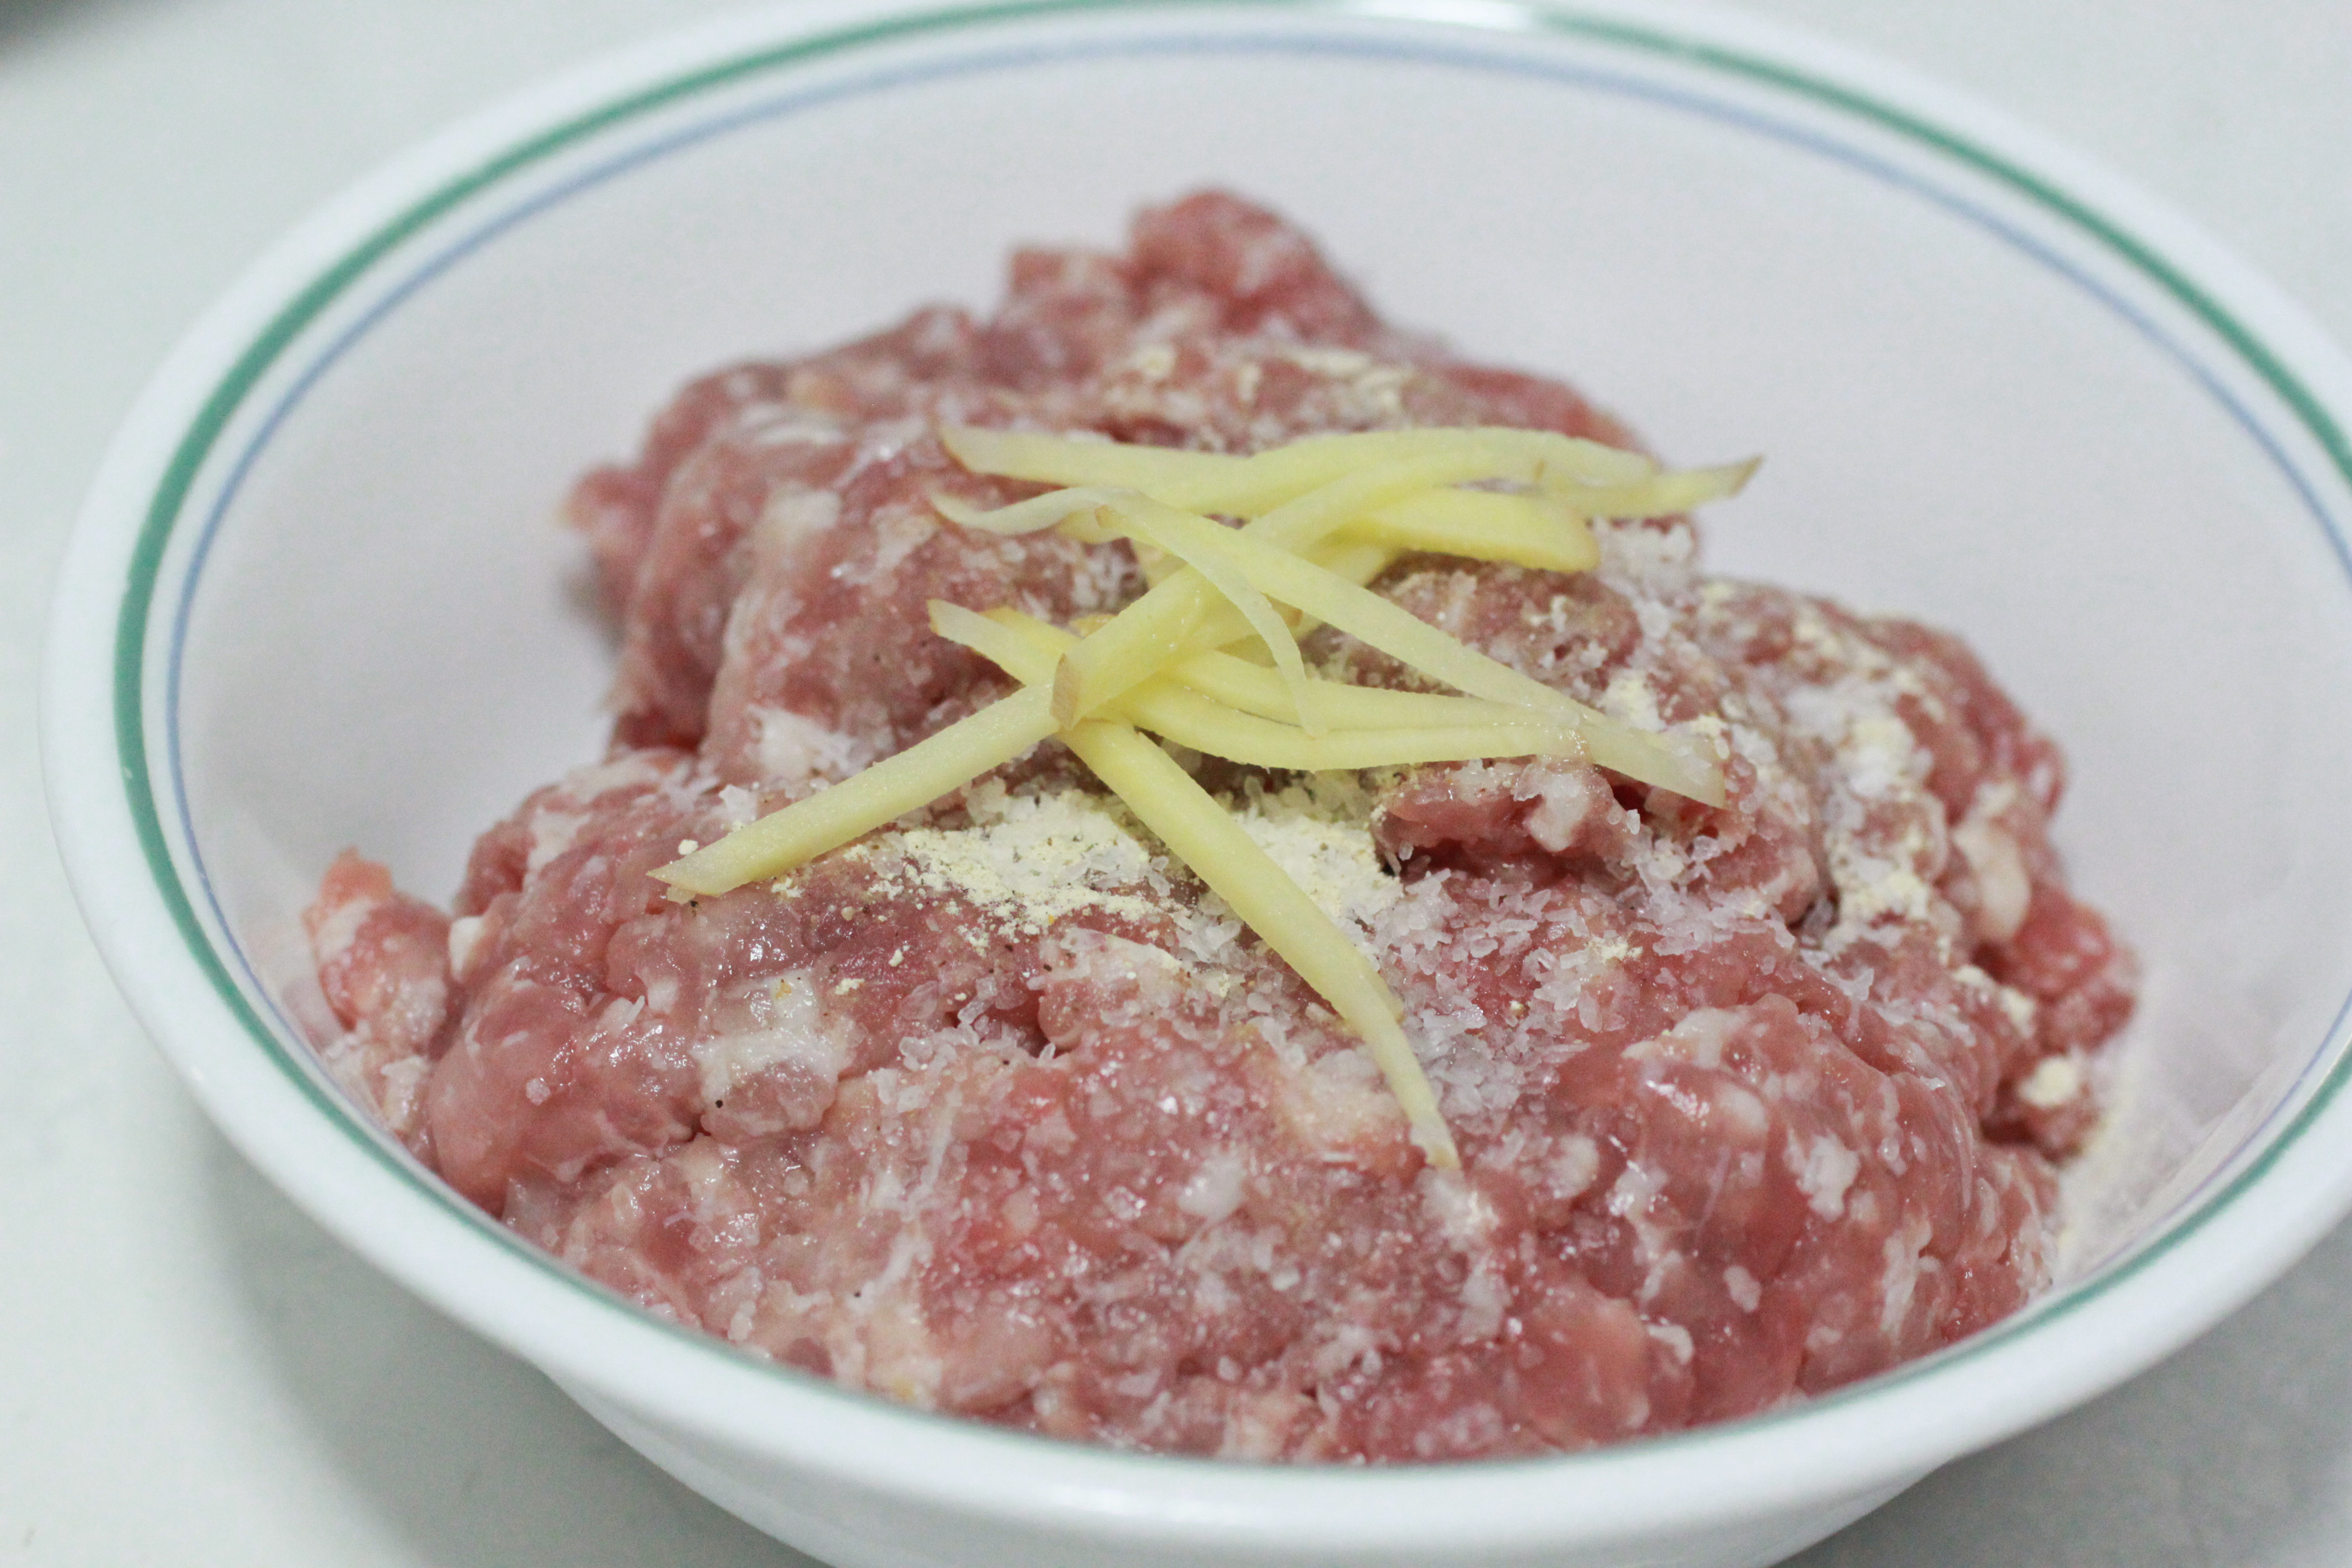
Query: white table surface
{"x": 193, "y": 1374}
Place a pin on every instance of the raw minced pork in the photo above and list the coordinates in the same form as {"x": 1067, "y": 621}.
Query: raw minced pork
{"x": 1001, "y": 1112}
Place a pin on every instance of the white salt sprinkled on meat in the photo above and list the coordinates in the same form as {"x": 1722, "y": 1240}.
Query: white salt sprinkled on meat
{"x": 1000, "y": 1112}
{"x": 794, "y": 747}
{"x": 1034, "y": 859}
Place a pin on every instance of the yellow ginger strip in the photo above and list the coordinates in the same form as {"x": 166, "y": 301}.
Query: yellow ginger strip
{"x": 1535, "y": 531}
{"x": 1022, "y": 645}
{"x": 1027, "y": 648}
{"x": 1031, "y": 516}
{"x": 1402, "y": 634}
{"x": 1302, "y": 520}
{"x": 1150, "y": 631}
{"x": 882, "y": 793}
{"x": 1354, "y": 561}
{"x": 1152, "y": 627}
{"x": 1661, "y": 494}
{"x": 1201, "y": 834}
{"x": 1194, "y": 540}
{"x": 1220, "y": 625}
{"x": 906, "y": 782}
{"x": 1250, "y": 686}
{"x": 1163, "y": 537}
{"x": 1168, "y": 708}
{"x": 1485, "y": 525}
{"x": 1577, "y": 479}
{"x": 1155, "y": 629}
{"x": 1546, "y": 528}
{"x": 1204, "y": 836}
{"x": 1189, "y": 718}
{"x": 1249, "y": 486}
{"x": 1157, "y": 565}
{"x": 1237, "y": 683}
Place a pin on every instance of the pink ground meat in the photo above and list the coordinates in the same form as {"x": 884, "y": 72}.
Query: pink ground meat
{"x": 1001, "y": 1112}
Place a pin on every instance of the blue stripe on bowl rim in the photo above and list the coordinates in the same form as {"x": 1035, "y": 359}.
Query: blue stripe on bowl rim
{"x": 266, "y": 356}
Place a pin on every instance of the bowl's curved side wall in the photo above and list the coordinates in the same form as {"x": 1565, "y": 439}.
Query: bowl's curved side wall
{"x": 212, "y": 540}
{"x": 878, "y": 1528}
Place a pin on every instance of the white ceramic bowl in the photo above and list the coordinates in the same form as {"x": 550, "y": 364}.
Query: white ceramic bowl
{"x": 313, "y": 603}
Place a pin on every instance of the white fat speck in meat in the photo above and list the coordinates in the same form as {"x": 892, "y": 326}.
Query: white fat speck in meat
{"x": 782, "y": 1023}
{"x": 1824, "y": 1169}
{"x": 2055, "y": 1081}
{"x": 465, "y": 938}
{"x": 1216, "y": 1187}
{"x": 1742, "y": 1288}
{"x": 552, "y": 833}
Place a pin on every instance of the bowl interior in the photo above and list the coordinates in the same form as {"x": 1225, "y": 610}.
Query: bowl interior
{"x": 1976, "y": 411}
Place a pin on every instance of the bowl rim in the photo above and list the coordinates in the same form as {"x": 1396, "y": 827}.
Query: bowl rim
{"x": 120, "y": 858}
